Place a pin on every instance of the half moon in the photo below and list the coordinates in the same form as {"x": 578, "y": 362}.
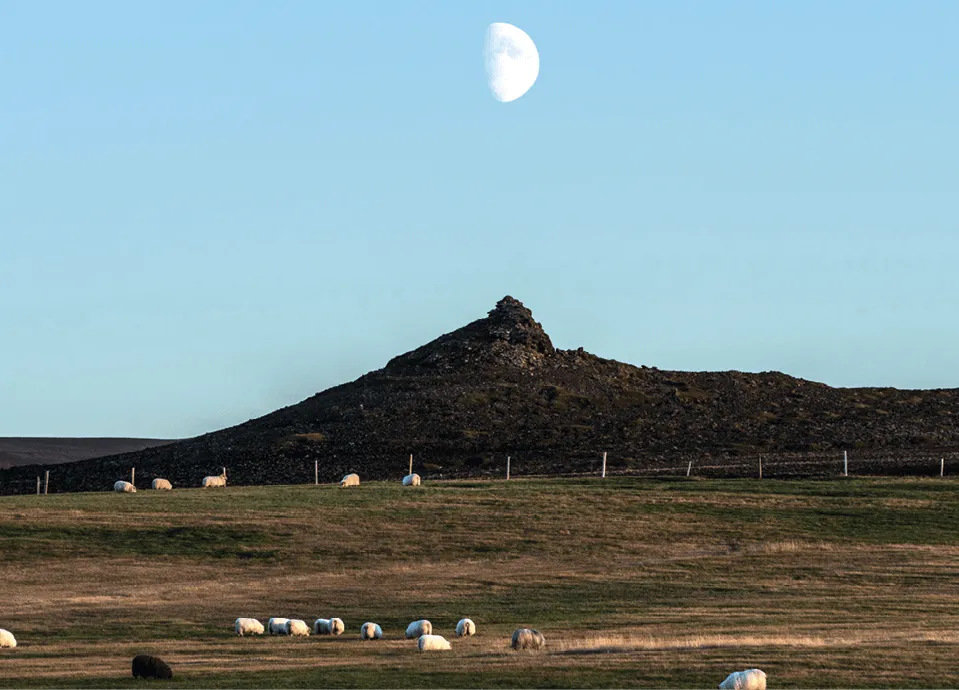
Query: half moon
{"x": 512, "y": 61}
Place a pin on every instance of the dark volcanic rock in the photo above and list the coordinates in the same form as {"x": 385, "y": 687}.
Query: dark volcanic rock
{"x": 508, "y": 336}
{"x": 498, "y": 387}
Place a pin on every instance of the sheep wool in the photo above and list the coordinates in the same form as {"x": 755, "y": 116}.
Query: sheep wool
{"x": 350, "y": 480}
{"x": 527, "y": 638}
{"x": 328, "y": 626}
{"x": 297, "y": 628}
{"x": 146, "y": 666}
{"x": 124, "y": 488}
{"x": 162, "y": 485}
{"x": 370, "y": 631}
{"x": 7, "y": 639}
{"x": 248, "y": 626}
{"x": 412, "y": 480}
{"x": 428, "y": 643}
{"x": 214, "y": 480}
{"x": 417, "y": 628}
{"x": 277, "y": 626}
{"x": 750, "y": 679}
{"x": 465, "y": 628}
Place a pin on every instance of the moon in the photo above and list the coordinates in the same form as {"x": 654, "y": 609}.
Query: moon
{"x": 512, "y": 61}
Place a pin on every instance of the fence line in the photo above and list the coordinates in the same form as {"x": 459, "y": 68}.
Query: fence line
{"x": 538, "y": 464}
{"x": 766, "y": 464}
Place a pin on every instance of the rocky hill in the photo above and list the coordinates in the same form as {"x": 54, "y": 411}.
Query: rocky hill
{"x": 498, "y": 387}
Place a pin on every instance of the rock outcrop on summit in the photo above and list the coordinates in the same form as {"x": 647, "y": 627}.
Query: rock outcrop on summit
{"x": 499, "y": 387}
{"x": 508, "y": 336}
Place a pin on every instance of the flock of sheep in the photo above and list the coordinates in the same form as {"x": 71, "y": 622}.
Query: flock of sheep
{"x": 165, "y": 485}
{"x": 125, "y": 487}
{"x": 422, "y": 630}
{"x": 145, "y": 666}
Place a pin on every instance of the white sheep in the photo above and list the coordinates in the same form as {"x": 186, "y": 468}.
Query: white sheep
{"x": 412, "y": 480}
{"x": 277, "y": 626}
{"x": 750, "y": 679}
{"x": 124, "y": 487}
{"x": 297, "y": 628}
{"x": 370, "y": 631}
{"x": 248, "y": 626}
{"x": 7, "y": 639}
{"x": 527, "y": 638}
{"x": 215, "y": 480}
{"x": 162, "y": 485}
{"x": 328, "y": 626}
{"x": 350, "y": 480}
{"x": 432, "y": 642}
{"x": 465, "y": 628}
{"x": 417, "y": 628}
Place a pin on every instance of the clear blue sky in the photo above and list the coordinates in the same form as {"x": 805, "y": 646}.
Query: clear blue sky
{"x": 212, "y": 209}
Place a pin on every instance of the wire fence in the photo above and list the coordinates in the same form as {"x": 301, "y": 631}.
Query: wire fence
{"x": 766, "y": 466}
{"x": 430, "y": 466}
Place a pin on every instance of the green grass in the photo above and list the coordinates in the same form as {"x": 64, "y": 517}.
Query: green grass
{"x": 634, "y": 582}
{"x": 37, "y": 542}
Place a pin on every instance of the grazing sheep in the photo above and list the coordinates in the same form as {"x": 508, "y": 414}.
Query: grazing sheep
{"x": 124, "y": 488}
{"x": 370, "y": 631}
{"x": 162, "y": 484}
{"x": 277, "y": 626}
{"x": 214, "y": 480}
{"x": 428, "y": 643}
{"x": 417, "y": 628}
{"x": 328, "y": 626}
{"x": 7, "y": 639}
{"x": 248, "y": 626}
{"x": 412, "y": 480}
{"x": 146, "y": 666}
{"x": 750, "y": 679}
{"x": 350, "y": 480}
{"x": 297, "y": 628}
{"x": 527, "y": 638}
{"x": 465, "y": 628}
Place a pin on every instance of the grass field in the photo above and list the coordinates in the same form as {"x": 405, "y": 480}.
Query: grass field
{"x": 634, "y": 583}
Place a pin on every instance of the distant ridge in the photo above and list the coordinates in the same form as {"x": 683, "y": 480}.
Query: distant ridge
{"x": 498, "y": 387}
{"x": 15, "y": 451}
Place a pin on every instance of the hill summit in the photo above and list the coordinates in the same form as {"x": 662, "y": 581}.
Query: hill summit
{"x": 508, "y": 336}
{"x": 497, "y": 386}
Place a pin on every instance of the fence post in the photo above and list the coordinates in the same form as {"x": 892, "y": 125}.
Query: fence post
{"x": 133, "y": 476}
{"x": 604, "y": 465}
{"x": 845, "y": 464}
{"x": 760, "y": 466}
{"x": 38, "y": 485}
{"x": 507, "y": 468}
{"x": 942, "y": 467}
{"x": 411, "y": 464}
{"x": 690, "y": 468}
{"x": 316, "y": 472}
{"x": 46, "y": 483}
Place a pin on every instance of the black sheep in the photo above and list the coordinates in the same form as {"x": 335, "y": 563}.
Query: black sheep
{"x": 146, "y": 666}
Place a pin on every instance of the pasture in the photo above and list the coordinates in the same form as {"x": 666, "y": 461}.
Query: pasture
{"x": 634, "y": 582}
